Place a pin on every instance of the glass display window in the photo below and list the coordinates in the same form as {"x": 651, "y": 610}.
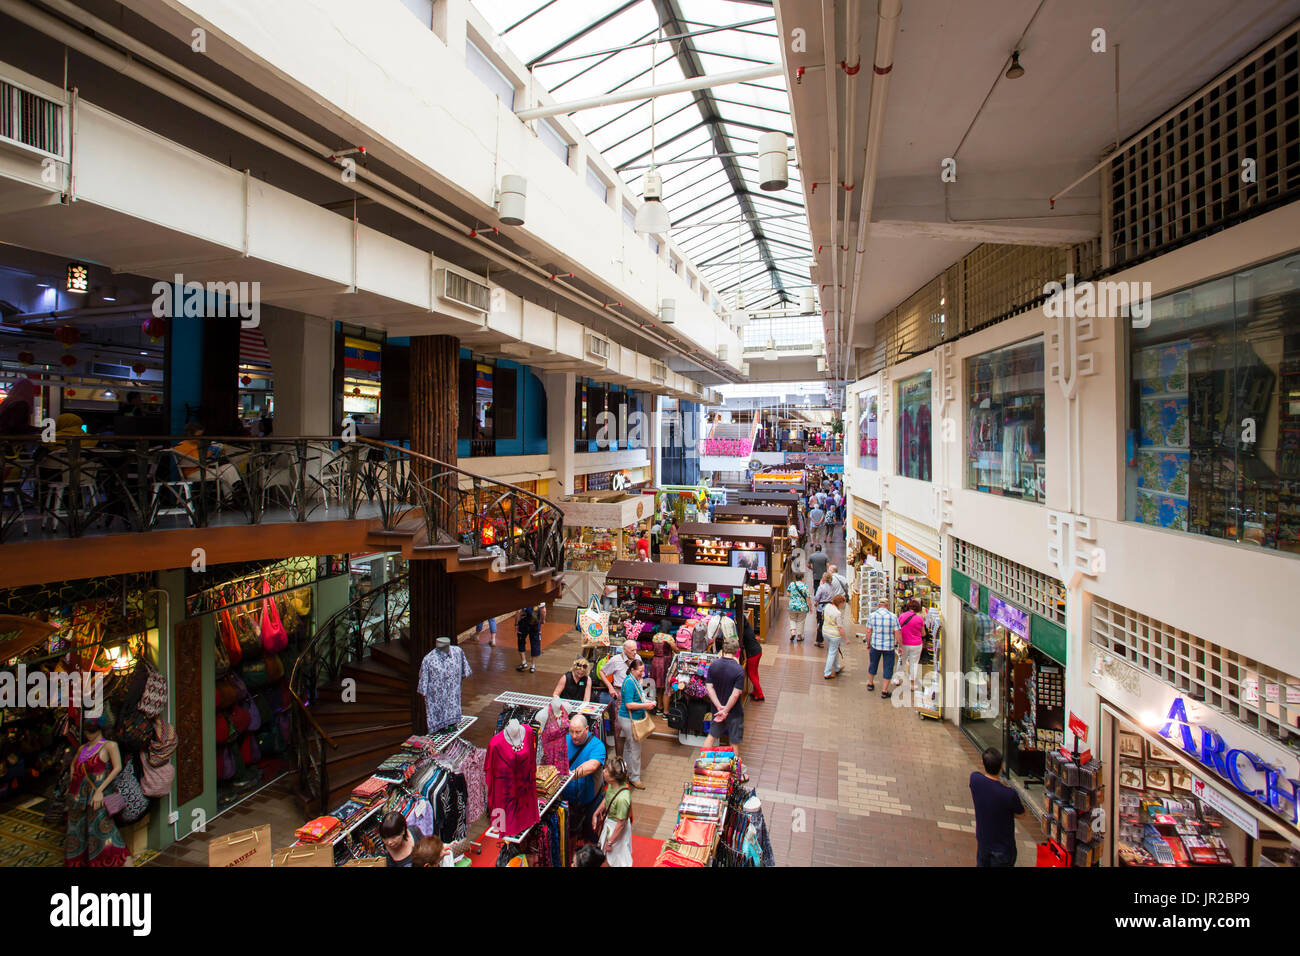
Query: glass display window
{"x": 914, "y": 427}
{"x": 1214, "y": 410}
{"x": 868, "y": 429}
{"x": 1005, "y": 423}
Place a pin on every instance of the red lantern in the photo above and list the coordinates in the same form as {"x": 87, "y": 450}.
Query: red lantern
{"x": 67, "y": 335}
{"x": 154, "y": 327}
{"x": 26, "y": 358}
{"x": 246, "y": 380}
{"x": 68, "y": 360}
{"x": 356, "y": 390}
{"x": 70, "y": 392}
{"x": 139, "y": 368}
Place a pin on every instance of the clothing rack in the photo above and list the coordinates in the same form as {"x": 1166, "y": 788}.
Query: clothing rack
{"x": 516, "y": 699}
{"x": 543, "y": 808}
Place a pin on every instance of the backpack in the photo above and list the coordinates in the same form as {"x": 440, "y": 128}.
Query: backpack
{"x": 526, "y": 618}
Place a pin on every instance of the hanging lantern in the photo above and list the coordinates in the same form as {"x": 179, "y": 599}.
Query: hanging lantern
{"x": 356, "y": 389}
{"x": 26, "y": 358}
{"x": 245, "y": 380}
{"x": 154, "y": 327}
{"x": 139, "y": 368}
{"x": 67, "y": 335}
{"x": 70, "y": 392}
{"x": 68, "y": 359}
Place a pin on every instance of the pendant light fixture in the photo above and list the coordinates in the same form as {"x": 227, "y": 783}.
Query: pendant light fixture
{"x": 652, "y": 217}
{"x": 1015, "y": 71}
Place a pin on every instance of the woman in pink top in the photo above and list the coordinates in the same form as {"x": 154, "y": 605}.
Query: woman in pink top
{"x": 910, "y": 640}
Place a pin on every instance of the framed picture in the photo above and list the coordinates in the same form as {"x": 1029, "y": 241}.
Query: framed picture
{"x": 1158, "y": 779}
{"x": 1181, "y": 778}
{"x": 1131, "y": 777}
{"x": 1158, "y": 754}
{"x": 1130, "y": 745}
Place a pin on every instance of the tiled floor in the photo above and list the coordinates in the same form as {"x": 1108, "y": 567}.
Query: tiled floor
{"x": 846, "y": 779}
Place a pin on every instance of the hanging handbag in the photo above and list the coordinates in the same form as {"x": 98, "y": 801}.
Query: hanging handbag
{"x": 220, "y": 657}
{"x": 165, "y": 741}
{"x": 154, "y": 697}
{"x": 594, "y": 623}
{"x": 156, "y": 779}
{"x": 229, "y": 638}
{"x": 135, "y": 802}
{"x": 249, "y": 632}
{"x": 113, "y": 802}
{"x": 274, "y": 636}
{"x": 134, "y": 730}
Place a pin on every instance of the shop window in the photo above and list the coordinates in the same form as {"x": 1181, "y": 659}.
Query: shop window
{"x": 487, "y": 404}
{"x": 914, "y": 438}
{"x": 1214, "y": 410}
{"x": 1005, "y": 443}
{"x": 868, "y": 423}
{"x": 505, "y": 391}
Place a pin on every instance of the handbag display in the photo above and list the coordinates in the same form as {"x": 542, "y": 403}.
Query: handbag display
{"x": 220, "y": 657}
{"x": 156, "y": 779}
{"x": 229, "y": 639}
{"x": 594, "y": 623}
{"x": 113, "y": 803}
{"x": 263, "y": 673}
{"x": 274, "y": 636}
{"x": 134, "y": 730}
{"x": 165, "y": 742}
{"x": 135, "y": 803}
{"x": 154, "y": 697}
{"x": 249, "y": 632}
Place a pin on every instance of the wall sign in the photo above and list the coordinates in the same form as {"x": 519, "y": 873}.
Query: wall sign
{"x": 1245, "y": 771}
{"x": 1226, "y": 808}
{"x": 914, "y": 558}
{"x": 1012, "y": 618}
{"x": 868, "y": 531}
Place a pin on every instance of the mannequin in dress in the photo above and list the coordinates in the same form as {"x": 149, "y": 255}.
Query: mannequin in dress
{"x": 554, "y": 720}
{"x": 441, "y": 672}
{"x": 511, "y": 772}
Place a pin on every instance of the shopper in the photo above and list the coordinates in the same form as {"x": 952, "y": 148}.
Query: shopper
{"x": 822, "y": 598}
{"x": 799, "y": 597}
{"x": 882, "y": 632}
{"x": 839, "y": 583}
{"x": 612, "y": 673}
{"x": 399, "y": 839}
{"x": 614, "y": 816}
{"x": 633, "y": 707}
{"x": 725, "y": 685}
{"x": 528, "y": 635}
{"x": 911, "y": 639}
{"x": 583, "y": 792}
{"x": 816, "y": 522}
{"x": 753, "y": 652}
{"x": 588, "y": 855}
{"x": 818, "y": 561}
{"x": 996, "y": 809}
{"x": 575, "y": 683}
{"x": 489, "y": 624}
{"x": 833, "y": 633}
{"x": 643, "y": 546}
{"x": 430, "y": 851}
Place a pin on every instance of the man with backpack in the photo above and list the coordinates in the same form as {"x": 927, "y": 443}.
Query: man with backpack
{"x": 528, "y": 635}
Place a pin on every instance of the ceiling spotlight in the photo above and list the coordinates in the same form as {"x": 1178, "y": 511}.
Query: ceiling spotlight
{"x": 652, "y": 217}
{"x": 1015, "y": 71}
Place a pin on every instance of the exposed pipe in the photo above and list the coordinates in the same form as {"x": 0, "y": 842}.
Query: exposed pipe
{"x": 309, "y": 153}
{"x": 833, "y": 171}
{"x": 651, "y": 92}
{"x": 853, "y": 45}
{"x": 888, "y": 15}
{"x": 1137, "y": 137}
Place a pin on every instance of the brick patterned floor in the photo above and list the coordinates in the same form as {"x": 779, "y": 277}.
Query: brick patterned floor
{"x": 845, "y": 778}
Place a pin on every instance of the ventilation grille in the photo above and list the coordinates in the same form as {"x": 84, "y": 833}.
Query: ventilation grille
{"x": 658, "y": 372}
{"x": 465, "y": 291}
{"x": 1184, "y": 178}
{"x": 1031, "y": 589}
{"x": 31, "y": 120}
{"x": 598, "y": 347}
{"x": 1227, "y": 681}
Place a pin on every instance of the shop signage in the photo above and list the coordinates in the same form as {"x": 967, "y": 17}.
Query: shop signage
{"x": 1245, "y": 771}
{"x": 974, "y": 595}
{"x": 1078, "y": 727}
{"x": 914, "y": 558}
{"x": 1012, "y": 618}
{"x": 1226, "y": 808}
{"x": 870, "y": 532}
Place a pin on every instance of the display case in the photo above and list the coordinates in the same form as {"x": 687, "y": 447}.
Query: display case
{"x": 747, "y": 546}
{"x": 678, "y": 592}
{"x": 596, "y": 534}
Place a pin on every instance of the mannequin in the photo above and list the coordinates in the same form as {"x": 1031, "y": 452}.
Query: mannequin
{"x": 93, "y": 838}
{"x": 441, "y": 672}
{"x": 511, "y": 772}
{"x": 554, "y": 721}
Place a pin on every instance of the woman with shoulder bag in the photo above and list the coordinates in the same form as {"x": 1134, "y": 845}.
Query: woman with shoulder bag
{"x": 615, "y": 815}
{"x": 634, "y": 721}
{"x": 911, "y": 639}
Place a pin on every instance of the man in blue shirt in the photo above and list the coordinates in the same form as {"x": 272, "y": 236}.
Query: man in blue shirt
{"x": 586, "y": 760}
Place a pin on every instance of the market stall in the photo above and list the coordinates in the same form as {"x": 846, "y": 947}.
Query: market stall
{"x": 746, "y": 546}
{"x": 788, "y": 499}
{"x": 719, "y": 821}
{"x": 596, "y": 534}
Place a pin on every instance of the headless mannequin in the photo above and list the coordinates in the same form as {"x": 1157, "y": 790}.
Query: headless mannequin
{"x": 514, "y": 733}
{"x": 443, "y": 644}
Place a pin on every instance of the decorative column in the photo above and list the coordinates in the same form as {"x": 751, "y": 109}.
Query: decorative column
{"x": 435, "y": 370}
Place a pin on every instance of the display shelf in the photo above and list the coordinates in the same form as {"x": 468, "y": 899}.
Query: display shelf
{"x": 516, "y": 699}
{"x": 444, "y": 738}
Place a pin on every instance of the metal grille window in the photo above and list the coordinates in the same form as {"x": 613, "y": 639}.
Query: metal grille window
{"x": 1261, "y": 697}
{"x": 31, "y": 119}
{"x": 1185, "y": 178}
{"x": 1031, "y": 589}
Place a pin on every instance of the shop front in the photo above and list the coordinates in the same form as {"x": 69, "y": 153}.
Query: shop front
{"x": 866, "y": 541}
{"x": 745, "y": 546}
{"x": 1192, "y": 786}
{"x": 597, "y": 532}
{"x": 1014, "y": 679}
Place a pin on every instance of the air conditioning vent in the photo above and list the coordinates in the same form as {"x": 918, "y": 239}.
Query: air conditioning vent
{"x": 465, "y": 291}
{"x": 658, "y": 372}
{"x": 31, "y": 120}
{"x": 722, "y": 352}
{"x": 598, "y": 347}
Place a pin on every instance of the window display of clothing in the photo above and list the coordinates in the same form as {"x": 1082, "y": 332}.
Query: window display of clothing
{"x": 511, "y": 771}
{"x": 441, "y": 672}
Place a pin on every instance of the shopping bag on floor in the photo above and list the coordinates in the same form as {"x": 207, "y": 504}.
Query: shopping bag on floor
{"x": 242, "y": 848}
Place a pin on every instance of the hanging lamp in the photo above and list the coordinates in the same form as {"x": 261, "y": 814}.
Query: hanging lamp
{"x": 652, "y": 217}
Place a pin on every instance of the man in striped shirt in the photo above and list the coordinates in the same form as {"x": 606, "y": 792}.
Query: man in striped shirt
{"x": 882, "y": 631}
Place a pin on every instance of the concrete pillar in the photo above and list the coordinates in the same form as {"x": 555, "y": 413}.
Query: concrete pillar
{"x": 302, "y": 359}
{"x": 560, "y": 396}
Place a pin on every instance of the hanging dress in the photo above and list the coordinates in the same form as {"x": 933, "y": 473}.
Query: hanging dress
{"x": 92, "y": 838}
{"x": 555, "y": 744}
